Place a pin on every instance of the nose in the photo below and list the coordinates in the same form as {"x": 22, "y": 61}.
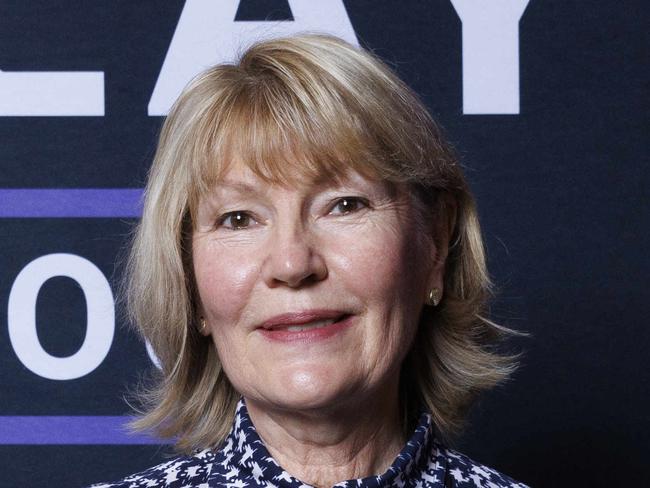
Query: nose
{"x": 293, "y": 259}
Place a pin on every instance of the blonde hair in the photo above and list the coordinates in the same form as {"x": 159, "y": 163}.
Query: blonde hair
{"x": 304, "y": 106}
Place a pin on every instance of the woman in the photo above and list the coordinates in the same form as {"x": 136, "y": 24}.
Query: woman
{"x": 310, "y": 273}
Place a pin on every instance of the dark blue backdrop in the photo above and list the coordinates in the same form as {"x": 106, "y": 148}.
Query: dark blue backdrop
{"x": 561, "y": 183}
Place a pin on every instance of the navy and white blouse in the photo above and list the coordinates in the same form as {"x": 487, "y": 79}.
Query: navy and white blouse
{"x": 243, "y": 462}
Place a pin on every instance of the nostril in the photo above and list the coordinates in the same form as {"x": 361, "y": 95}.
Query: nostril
{"x": 302, "y": 281}
{"x": 288, "y": 264}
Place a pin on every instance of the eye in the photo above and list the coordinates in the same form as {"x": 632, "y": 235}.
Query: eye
{"x": 347, "y": 205}
{"x": 236, "y": 220}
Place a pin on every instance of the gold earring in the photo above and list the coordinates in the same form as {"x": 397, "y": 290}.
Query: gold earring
{"x": 202, "y": 328}
{"x": 434, "y": 297}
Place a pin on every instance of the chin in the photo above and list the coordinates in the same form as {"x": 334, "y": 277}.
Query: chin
{"x": 311, "y": 389}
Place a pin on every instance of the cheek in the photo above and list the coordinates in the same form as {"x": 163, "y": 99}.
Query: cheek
{"x": 387, "y": 269}
{"x": 224, "y": 280}
{"x": 379, "y": 266}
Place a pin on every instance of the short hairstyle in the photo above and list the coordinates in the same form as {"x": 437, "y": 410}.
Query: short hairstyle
{"x": 309, "y": 105}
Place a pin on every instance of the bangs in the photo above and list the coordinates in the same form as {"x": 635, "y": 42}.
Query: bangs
{"x": 284, "y": 136}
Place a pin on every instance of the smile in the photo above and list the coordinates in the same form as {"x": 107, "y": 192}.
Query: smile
{"x": 313, "y": 325}
{"x": 305, "y": 327}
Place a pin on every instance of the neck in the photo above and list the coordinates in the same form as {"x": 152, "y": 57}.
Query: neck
{"x": 323, "y": 448}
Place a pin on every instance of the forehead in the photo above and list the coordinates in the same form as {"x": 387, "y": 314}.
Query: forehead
{"x": 236, "y": 166}
{"x": 292, "y": 163}
{"x": 242, "y": 179}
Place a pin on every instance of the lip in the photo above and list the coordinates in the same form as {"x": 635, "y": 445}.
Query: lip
{"x": 275, "y": 328}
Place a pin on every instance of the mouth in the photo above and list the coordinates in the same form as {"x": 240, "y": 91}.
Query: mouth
{"x": 306, "y": 326}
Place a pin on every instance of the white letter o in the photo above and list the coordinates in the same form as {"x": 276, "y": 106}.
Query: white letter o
{"x": 100, "y": 323}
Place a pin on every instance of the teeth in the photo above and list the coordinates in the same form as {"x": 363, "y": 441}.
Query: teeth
{"x": 312, "y": 325}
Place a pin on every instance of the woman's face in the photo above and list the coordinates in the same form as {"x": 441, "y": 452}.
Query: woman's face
{"x": 312, "y": 294}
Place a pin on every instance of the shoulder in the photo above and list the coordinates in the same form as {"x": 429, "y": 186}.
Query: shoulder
{"x": 463, "y": 472}
{"x": 181, "y": 471}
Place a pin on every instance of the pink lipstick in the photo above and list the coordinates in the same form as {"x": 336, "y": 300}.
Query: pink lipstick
{"x": 306, "y": 326}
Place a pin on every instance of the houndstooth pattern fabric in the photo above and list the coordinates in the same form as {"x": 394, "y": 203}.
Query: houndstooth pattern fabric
{"x": 244, "y": 462}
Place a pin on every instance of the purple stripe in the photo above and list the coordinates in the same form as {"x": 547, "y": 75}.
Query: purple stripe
{"x": 86, "y": 202}
{"x": 70, "y": 430}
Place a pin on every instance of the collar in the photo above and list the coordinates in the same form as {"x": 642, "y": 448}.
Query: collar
{"x": 420, "y": 463}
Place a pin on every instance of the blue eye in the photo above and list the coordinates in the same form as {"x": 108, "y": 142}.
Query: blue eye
{"x": 235, "y": 220}
{"x": 348, "y": 205}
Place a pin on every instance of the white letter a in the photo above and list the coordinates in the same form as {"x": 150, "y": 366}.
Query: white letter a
{"x": 207, "y": 34}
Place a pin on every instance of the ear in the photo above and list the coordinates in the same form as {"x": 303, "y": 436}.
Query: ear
{"x": 200, "y": 323}
{"x": 203, "y": 327}
{"x": 442, "y": 231}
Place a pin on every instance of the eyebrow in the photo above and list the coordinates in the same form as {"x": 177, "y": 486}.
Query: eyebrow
{"x": 247, "y": 188}
{"x": 238, "y": 186}
{"x": 252, "y": 189}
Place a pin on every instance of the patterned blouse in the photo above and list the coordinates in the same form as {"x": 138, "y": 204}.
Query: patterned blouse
{"x": 243, "y": 462}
